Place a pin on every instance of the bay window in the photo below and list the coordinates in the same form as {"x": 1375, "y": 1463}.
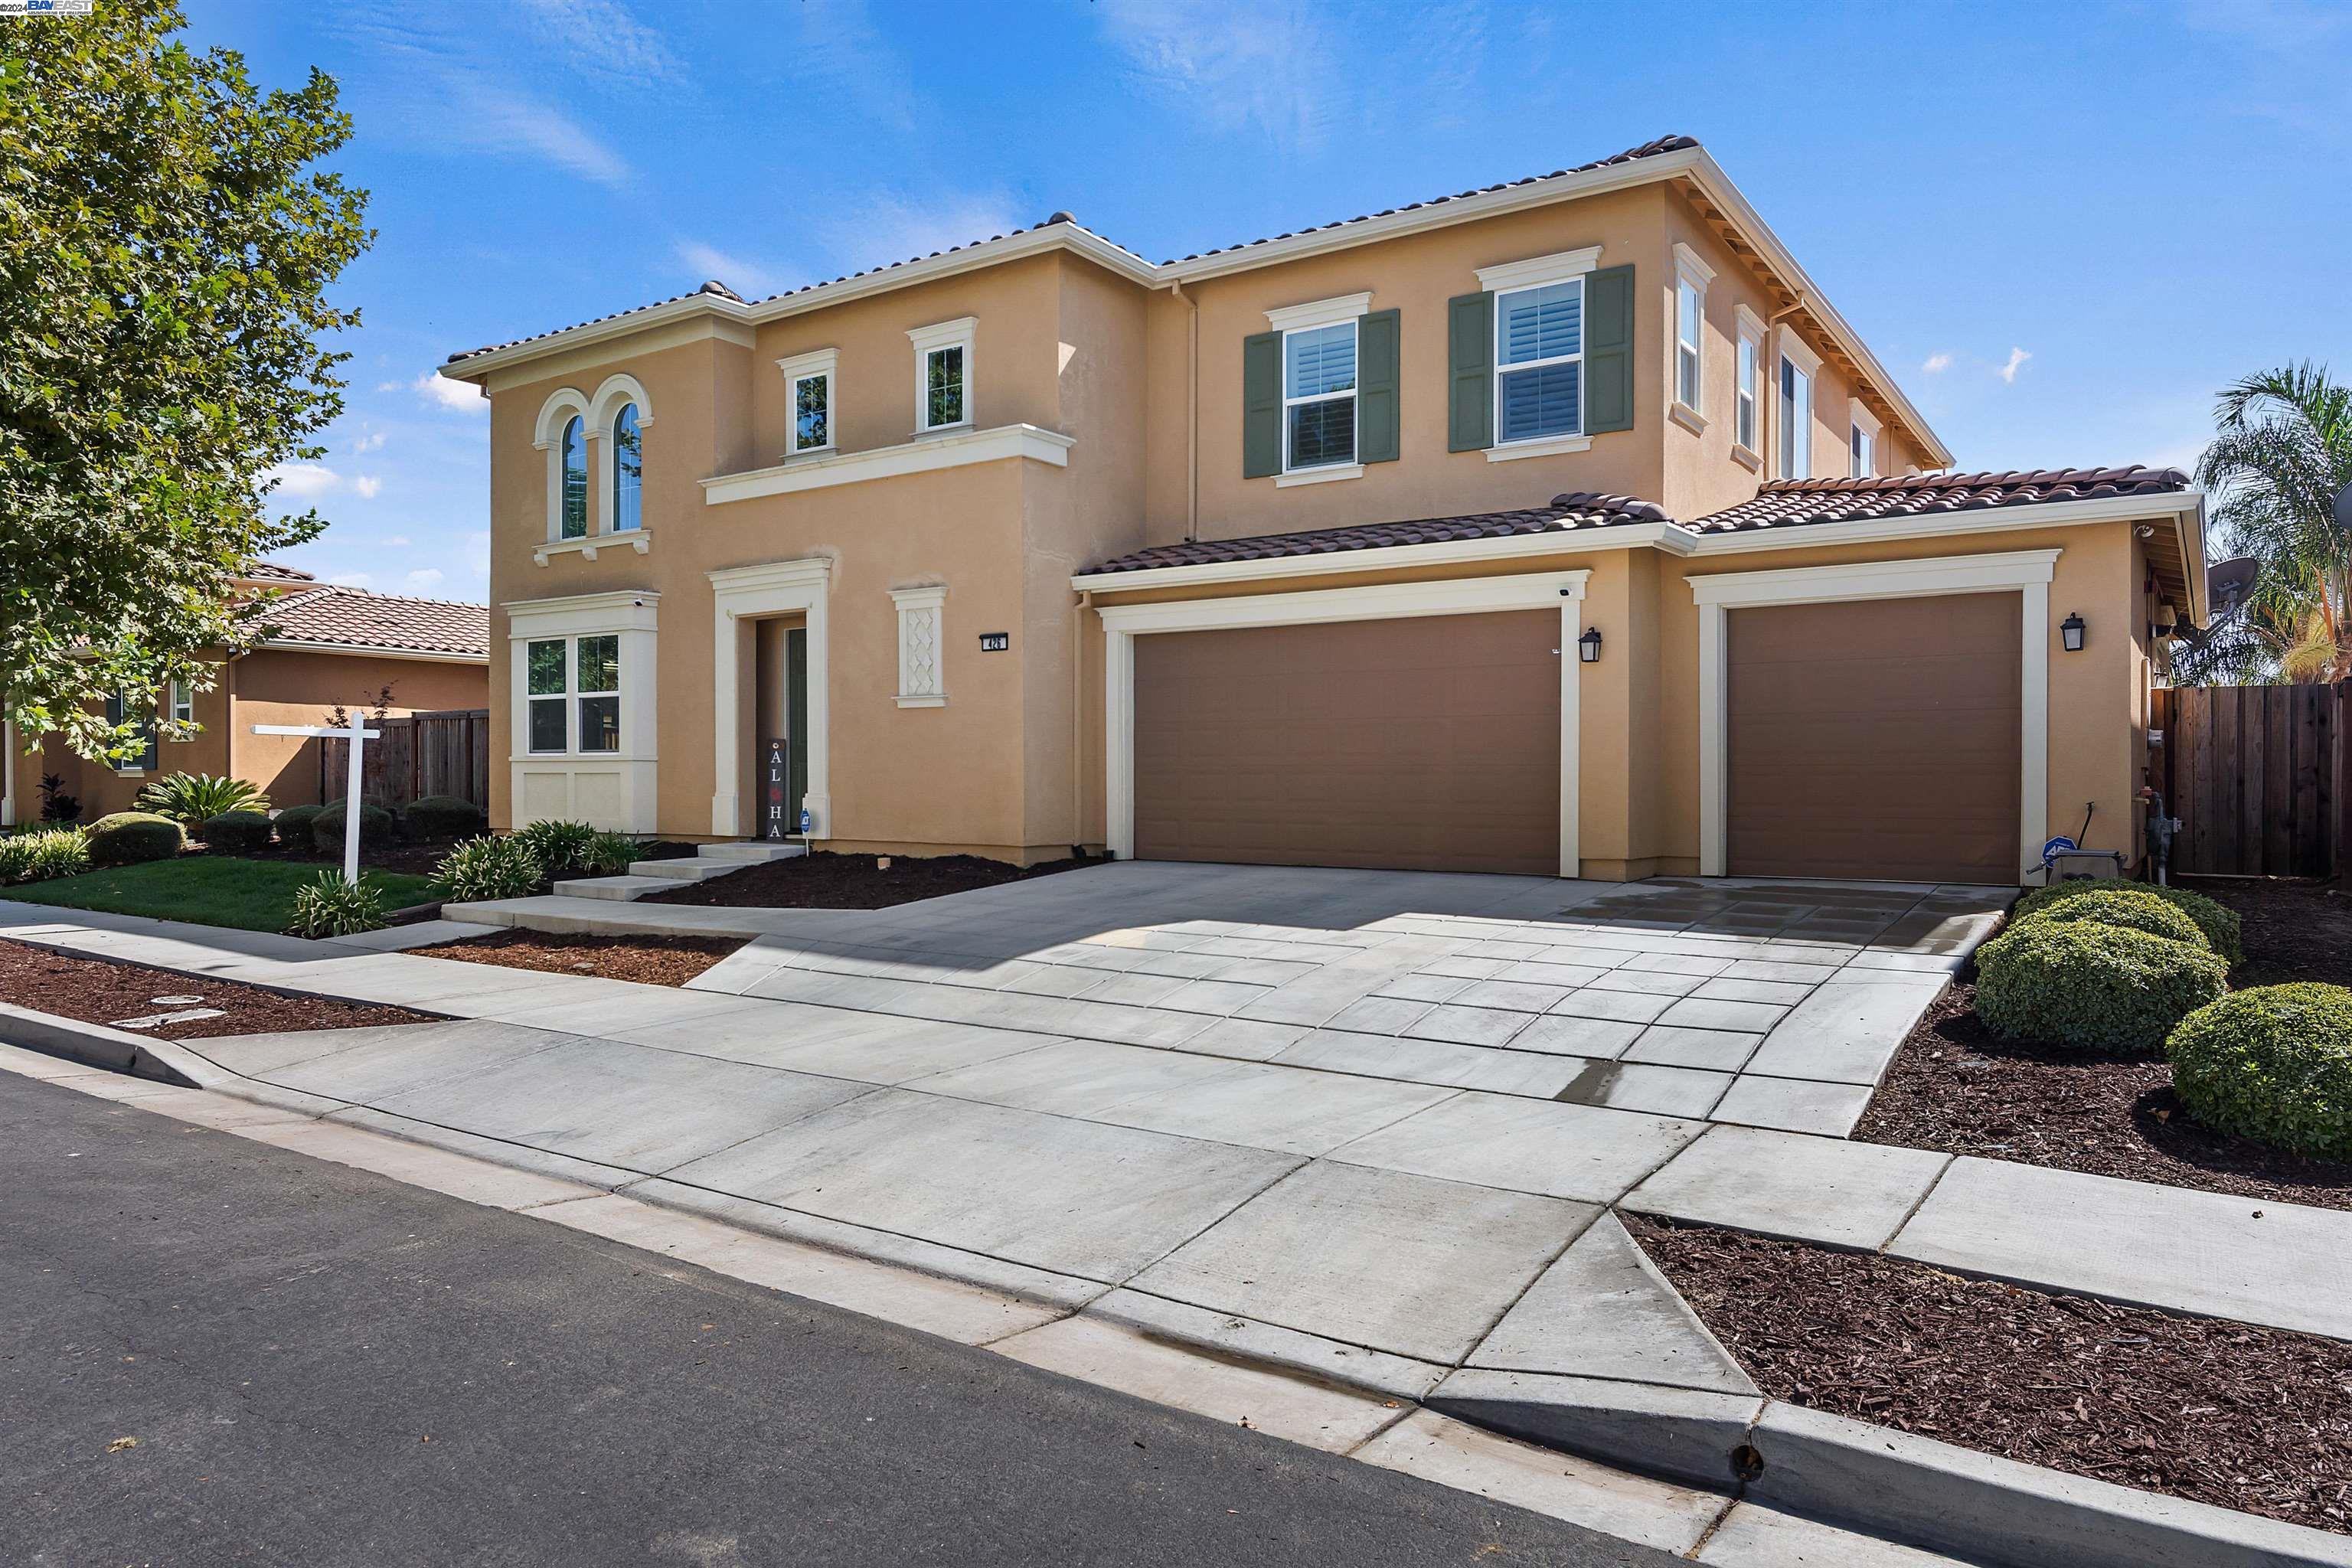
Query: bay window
{"x": 569, "y": 677}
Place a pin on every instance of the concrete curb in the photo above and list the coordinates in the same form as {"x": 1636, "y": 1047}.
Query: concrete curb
{"x": 100, "y": 1046}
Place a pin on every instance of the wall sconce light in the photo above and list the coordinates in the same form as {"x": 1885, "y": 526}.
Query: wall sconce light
{"x": 1588, "y": 646}
{"x": 2069, "y": 632}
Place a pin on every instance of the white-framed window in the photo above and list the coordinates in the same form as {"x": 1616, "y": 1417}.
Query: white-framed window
{"x": 1539, "y": 361}
{"x": 1861, "y": 443}
{"x": 1318, "y": 396}
{"x": 183, "y": 700}
{"x": 809, "y": 380}
{"x": 943, "y": 374}
{"x": 1794, "y": 411}
{"x": 574, "y": 689}
{"x": 1691, "y": 278}
{"x": 1747, "y": 393}
{"x": 628, "y": 472}
{"x": 574, "y": 457}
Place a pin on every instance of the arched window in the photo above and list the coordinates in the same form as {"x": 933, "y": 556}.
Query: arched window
{"x": 628, "y": 470}
{"x": 575, "y": 479}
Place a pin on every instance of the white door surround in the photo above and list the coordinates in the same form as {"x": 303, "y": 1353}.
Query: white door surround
{"x": 1122, "y": 624}
{"x": 2025, "y": 572}
{"x": 742, "y": 594}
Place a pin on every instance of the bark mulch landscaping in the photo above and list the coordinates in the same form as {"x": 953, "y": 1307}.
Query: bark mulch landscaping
{"x": 648, "y": 959}
{"x": 1957, "y": 1086}
{"x": 2246, "y": 1418}
{"x": 828, "y": 881}
{"x": 101, "y": 990}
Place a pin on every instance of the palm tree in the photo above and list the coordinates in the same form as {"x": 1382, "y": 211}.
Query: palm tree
{"x": 2281, "y": 451}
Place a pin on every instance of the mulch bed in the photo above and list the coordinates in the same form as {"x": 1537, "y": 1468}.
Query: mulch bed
{"x": 2193, "y": 1407}
{"x": 1957, "y": 1086}
{"x": 830, "y": 882}
{"x": 648, "y": 960}
{"x": 100, "y": 991}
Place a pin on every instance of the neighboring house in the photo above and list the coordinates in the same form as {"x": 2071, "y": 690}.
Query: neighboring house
{"x": 328, "y": 647}
{"x": 1562, "y": 526}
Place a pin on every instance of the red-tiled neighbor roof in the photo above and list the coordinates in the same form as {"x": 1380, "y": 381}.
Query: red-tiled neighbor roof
{"x": 353, "y": 617}
{"x": 1784, "y": 503}
{"x": 272, "y": 572}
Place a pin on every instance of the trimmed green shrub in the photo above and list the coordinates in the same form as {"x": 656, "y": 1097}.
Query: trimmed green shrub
{"x": 2132, "y": 908}
{"x": 38, "y": 855}
{"x": 191, "y": 798}
{"x": 126, "y": 837}
{"x": 2092, "y": 986}
{"x": 443, "y": 817}
{"x": 2220, "y": 923}
{"x": 487, "y": 868}
{"x": 2273, "y": 1064}
{"x": 333, "y": 907}
{"x": 608, "y": 855}
{"x": 327, "y": 827}
{"x": 234, "y": 831}
{"x": 561, "y": 849}
{"x": 293, "y": 825}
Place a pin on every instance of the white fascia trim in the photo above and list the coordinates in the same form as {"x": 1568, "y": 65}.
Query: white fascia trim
{"x": 953, "y": 450}
{"x": 1319, "y": 476}
{"x": 2026, "y": 573}
{"x": 359, "y": 650}
{"x": 1938, "y": 526}
{"x": 1664, "y": 535}
{"x": 586, "y": 547}
{"x": 1319, "y": 312}
{"x": 1557, "y": 268}
{"x": 1542, "y": 447}
{"x": 1709, "y": 176}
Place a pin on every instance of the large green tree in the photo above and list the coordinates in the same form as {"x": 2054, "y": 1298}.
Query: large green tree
{"x": 166, "y": 244}
{"x": 2281, "y": 449}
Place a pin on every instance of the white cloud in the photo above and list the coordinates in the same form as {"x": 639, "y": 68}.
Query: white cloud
{"x": 366, "y": 486}
{"x": 397, "y": 541}
{"x": 490, "y": 113}
{"x": 599, "y": 37}
{"x": 1938, "y": 364}
{"x": 896, "y": 229}
{"x": 463, "y": 397}
{"x": 304, "y": 482}
{"x": 370, "y": 442}
{"x": 423, "y": 577}
{"x": 2016, "y": 358}
{"x": 1277, "y": 70}
{"x": 748, "y": 279}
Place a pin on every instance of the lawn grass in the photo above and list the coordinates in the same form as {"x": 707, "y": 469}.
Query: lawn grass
{"x": 208, "y": 889}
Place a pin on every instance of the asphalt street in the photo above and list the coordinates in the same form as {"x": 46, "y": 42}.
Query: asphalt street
{"x": 217, "y": 1352}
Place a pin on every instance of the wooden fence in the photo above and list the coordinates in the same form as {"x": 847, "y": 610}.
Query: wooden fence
{"x": 420, "y": 754}
{"x": 2255, "y": 775}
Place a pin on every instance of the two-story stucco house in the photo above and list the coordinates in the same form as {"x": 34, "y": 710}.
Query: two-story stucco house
{"x": 1560, "y": 526}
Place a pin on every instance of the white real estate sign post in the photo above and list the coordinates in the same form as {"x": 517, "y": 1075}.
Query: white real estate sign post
{"x": 357, "y": 732}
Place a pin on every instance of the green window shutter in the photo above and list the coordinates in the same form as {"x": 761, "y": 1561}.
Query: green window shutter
{"x": 1470, "y": 372}
{"x": 1261, "y": 405}
{"x": 1609, "y": 350}
{"x": 1377, "y": 384}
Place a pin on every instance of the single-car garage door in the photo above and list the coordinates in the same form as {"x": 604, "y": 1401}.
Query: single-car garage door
{"x": 1875, "y": 740}
{"x": 1428, "y": 744}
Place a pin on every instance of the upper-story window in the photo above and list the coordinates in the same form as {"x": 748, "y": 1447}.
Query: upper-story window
{"x": 808, "y": 400}
{"x": 183, "y": 702}
{"x": 943, "y": 367}
{"x": 1794, "y": 415}
{"x": 1318, "y": 396}
{"x": 1861, "y": 443}
{"x": 1691, "y": 278}
{"x": 575, "y": 479}
{"x": 1747, "y": 393}
{"x": 628, "y": 472}
{"x": 1539, "y": 361}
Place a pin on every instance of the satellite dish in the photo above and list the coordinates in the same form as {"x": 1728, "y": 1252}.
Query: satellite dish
{"x": 2227, "y": 582}
{"x": 2344, "y": 509}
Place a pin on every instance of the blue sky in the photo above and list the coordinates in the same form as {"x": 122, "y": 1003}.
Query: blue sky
{"x": 2062, "y": 226}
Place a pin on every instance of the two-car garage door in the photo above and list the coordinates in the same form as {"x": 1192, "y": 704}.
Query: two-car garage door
{"x": 1424, "y": 743}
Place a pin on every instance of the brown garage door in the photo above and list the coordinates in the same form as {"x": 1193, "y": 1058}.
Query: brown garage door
{"x": 1875, "y": 740}
{"x": 1421, "y": 745}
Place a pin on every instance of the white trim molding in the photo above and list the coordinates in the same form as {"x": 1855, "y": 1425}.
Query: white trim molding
{"x": 957, "y": 449}
{"x": 564, "y": 404}
{"x": 614, "y": 789}
{"x": 1507, "y": 277}
{"x": 1690, "y": 270}
{"x": 1319, "y": 312}
{"x": 798, "y": 368}
{"x": 640, "y": 540}
{"x": 1319, "y": 476}
{"x": 1122, "y": 624}
{"x": 1541, "y": 446}
{"x": 958, "y": 333}
{"x": 741, "y": 594}
{"x": 2027, "y": 573}
{"x": 922, "y": 644}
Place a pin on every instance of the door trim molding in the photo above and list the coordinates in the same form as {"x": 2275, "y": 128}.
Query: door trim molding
{"x": 2027, "y": 573}
{"x": 1122, "y": 624}
{"x": 739, "y": 594}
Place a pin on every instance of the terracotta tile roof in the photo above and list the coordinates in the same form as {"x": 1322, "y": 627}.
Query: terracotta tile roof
{"x": 1646, "y": 149}
{"x": 713, "y": 287}
{"x": 354, "y": 617}
{"x": 270, "y": 572}
{"x": 1784, "y": 502}
{"x": 1565, "y": 514}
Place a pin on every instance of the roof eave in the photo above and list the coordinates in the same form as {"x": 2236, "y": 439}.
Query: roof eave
{"x": 374, "y": 650}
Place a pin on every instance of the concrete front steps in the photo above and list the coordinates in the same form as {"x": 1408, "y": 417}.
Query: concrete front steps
{"x": 659, "y": 875}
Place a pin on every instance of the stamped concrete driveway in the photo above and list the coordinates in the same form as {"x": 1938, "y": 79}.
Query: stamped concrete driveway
{"x": 1363, "y": 1123}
